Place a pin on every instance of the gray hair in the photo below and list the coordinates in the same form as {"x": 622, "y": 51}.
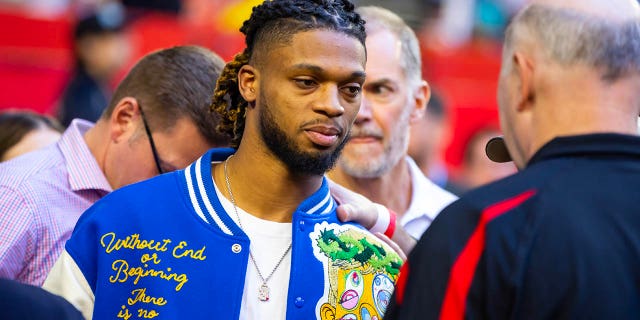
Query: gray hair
{"x": 569, "y": 37}
{"x": 377, "y": 19}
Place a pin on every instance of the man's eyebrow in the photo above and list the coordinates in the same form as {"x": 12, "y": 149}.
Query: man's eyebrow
{"x": 358, "y": 74}
{"x": 306, "y": 66}
{"x": 317, "y": 69}
{"x": 381, "y": 81}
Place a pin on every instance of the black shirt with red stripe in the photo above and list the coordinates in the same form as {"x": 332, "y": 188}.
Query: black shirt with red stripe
{"x": 558, "y": 240}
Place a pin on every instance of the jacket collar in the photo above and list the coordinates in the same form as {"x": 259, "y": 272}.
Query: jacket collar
{"x": 206, "y": 204}
{"x": 598, "y": 145}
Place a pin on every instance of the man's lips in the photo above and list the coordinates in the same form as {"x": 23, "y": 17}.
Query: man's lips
{"x": 364, "y": 139}
{"x": 365, "y": 134}
{"x": 325, "y": 136}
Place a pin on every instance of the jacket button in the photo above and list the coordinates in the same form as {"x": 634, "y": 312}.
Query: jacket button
{"x": 301, "y": 225}
{"x": 236, "y": 248}
{"x": 299, "y": 302}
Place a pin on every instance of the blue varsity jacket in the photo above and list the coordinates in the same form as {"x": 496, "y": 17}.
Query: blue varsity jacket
{"x": 166, "y": 249}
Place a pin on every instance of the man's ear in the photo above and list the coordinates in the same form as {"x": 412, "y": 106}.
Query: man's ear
{"x": 247, "y": 83}
{"x": 124, "y": 119}
{"x": 421, "y": 96}
{"x": 524, "y": 67}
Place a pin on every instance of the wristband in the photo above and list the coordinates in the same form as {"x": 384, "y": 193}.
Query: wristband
{"x": 386, "y": 222}
{"x": 391, "y": 229}
{"x": 382, "y": 222}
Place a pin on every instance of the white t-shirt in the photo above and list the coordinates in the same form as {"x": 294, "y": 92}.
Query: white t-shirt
{"x": 269, "y": 241}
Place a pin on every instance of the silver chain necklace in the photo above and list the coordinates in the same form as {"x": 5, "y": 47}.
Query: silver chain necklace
{"x": 263, "y": 292}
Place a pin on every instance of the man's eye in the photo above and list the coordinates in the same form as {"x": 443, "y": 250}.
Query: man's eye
{"x": 380, "y": 90}
{"x": 352, "y": 90}
{"x": 305, "y": 83}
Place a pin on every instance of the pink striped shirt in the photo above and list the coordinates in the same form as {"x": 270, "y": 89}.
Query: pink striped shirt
{"x": 42, "y": 195}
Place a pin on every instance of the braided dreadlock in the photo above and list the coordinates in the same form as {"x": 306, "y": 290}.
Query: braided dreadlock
{"x": 275, "y": 22}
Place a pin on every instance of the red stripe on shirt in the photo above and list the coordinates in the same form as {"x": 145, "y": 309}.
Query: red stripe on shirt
{"x": 401, "y": 283}
{"x": 463, "y": 270}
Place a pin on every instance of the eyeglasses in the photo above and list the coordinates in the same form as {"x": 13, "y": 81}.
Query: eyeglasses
{"x": 156, "y": 158}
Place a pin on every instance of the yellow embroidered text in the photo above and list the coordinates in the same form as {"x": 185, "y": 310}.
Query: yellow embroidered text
{"x": 179, "y": 252}
{"x": 133, "y": 242}
{"x": 140, "y": 295}
{"x": 150, "y": 257}
{"x": 124, "y": 313}
{"x": 147, "y": 314}
{"x": 124, "y": 272}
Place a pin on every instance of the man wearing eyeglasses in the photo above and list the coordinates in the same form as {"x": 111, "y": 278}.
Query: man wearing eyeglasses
{"x": 158, "y": 121}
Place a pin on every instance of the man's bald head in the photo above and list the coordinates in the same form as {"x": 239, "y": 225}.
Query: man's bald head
{"x": 569, "y": 67}
{"x": 613, "y": 10}
{"x": 603, "y": 34}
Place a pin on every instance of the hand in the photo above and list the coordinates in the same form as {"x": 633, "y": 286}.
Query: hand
{"x": 356, "y": 207}
{"x": 353, "y": 206}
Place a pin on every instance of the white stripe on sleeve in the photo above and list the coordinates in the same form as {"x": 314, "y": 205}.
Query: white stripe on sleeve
{"x": 65, "y": 279}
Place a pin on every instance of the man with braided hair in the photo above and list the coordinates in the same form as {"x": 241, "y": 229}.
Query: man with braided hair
{"x": 249, "y": 232}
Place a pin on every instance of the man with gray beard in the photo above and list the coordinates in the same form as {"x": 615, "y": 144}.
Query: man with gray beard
{"x": 374, "y": 161}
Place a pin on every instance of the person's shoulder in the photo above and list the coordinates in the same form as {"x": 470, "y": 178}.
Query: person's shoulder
{"x": 330, "y": 221}
{"x": 132, "y": 202}
{"x": 32, "y": 169}
{"x": 501, "y": 195}
{"x": 355, "y": 244}
{"x": 534, "y": 179}
{"x": 21, "y": 301}
{"x": 149, "y": 190}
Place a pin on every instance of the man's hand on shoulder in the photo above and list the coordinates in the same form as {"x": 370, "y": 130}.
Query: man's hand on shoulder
{"x": 357, "y": 208}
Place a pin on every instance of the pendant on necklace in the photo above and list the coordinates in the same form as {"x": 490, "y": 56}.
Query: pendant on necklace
{"x": 263, "y": 293}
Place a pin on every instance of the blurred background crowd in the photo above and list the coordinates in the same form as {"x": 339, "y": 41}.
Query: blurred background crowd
{"x": 62, "y": 58}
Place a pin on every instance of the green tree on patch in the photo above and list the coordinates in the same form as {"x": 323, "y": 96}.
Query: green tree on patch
{"x": 345, "y": 247}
